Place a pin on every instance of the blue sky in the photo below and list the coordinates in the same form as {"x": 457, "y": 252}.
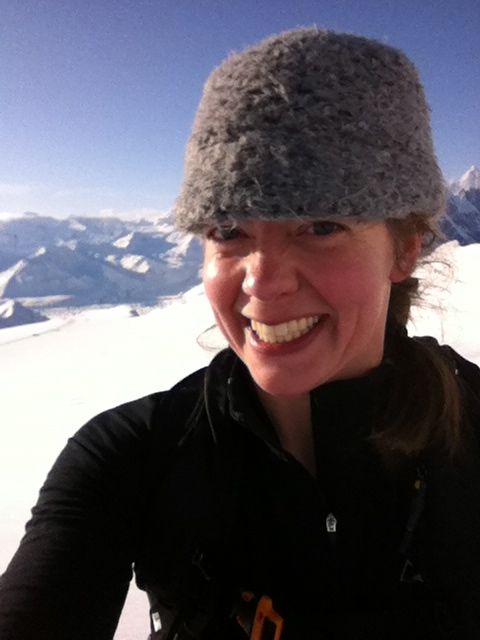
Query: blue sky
{"x": 97, "y": 97}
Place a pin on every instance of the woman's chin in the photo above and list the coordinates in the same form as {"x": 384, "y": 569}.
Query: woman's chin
{"x": 279, "y": 383}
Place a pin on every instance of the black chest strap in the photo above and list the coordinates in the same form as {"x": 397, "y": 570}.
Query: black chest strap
{"x": 209, "y": 427}
{"x": 409, "y": 572}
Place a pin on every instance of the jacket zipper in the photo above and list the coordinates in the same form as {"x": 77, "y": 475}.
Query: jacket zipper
{"x": 331, "y": 526}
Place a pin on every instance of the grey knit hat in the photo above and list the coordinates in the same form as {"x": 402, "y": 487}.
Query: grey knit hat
{"x": 311, "y": 124}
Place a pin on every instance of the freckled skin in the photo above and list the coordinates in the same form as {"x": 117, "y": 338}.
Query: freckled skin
{"x": 278, "y": 271}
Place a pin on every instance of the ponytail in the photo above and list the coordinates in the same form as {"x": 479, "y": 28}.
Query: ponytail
{"x": 423, "y": 406}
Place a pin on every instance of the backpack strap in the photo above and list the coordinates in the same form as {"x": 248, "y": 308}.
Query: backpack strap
{"x": 201, "y": 436}
{"x": 409, "y": 573}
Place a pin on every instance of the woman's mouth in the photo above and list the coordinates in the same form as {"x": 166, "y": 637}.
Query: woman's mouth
{"x": 285, "y": 331}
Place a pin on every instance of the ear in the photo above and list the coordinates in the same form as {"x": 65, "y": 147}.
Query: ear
{"x": 408, "y": 252}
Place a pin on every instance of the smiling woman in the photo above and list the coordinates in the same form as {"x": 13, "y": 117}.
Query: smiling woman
{"x": 321, "y": 477}
{"x": 269, "y": 280}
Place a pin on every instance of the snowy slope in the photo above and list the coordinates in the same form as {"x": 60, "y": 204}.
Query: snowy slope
{"x": 57, "y": 374}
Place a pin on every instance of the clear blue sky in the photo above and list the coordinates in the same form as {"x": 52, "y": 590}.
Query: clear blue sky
{"x": 97, "y": 96}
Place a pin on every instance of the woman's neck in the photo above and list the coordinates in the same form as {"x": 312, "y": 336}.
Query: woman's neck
{"x": 291, "y": 417}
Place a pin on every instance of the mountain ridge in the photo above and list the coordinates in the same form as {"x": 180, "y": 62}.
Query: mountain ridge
{"x": 95, "y": 260}
{"x": 81, "y": 261}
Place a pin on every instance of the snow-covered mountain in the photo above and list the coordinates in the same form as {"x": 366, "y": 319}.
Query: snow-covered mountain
{"x": 12, "y": 314}
{"x": 469, "y": 180}
{"x": 94, "y": 260}
{"x": 81, "y": 261}
{"x": 462, "y": 222}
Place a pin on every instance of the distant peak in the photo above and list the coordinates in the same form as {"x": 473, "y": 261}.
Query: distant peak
{"x": 469, "y": 180}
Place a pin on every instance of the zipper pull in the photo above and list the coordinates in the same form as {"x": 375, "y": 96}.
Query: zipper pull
{"x": 331, "y": 526}
{"x": 331, "y": 523}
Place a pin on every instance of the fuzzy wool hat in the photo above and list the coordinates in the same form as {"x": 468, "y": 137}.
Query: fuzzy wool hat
{"x": 311, "y": 124}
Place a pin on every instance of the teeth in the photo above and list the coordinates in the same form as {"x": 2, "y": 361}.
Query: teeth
{"x": 284, "y": 332}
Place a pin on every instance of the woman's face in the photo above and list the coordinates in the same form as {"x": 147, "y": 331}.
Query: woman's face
{"x": 302, "y": 303}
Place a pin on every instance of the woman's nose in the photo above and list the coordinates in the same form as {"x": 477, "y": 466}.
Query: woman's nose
{"x": 269, "y": 275}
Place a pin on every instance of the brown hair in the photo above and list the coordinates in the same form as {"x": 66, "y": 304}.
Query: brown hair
{"x": 423, "y": 404}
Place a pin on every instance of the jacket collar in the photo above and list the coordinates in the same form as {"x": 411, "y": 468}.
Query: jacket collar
{"x": 230, "y": 396}
{"x": 344, "y": 406}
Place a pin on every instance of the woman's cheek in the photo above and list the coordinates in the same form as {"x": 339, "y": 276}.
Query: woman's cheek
{"x": 220, "y": 281}
{"x": 341, "y": 281}
{"x": 356, "y": 290}
{"x": 210, "y": 270}
{"x": 210, "y": 279}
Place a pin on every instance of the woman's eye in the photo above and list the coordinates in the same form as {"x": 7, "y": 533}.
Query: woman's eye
{"x": 325, "y": 228}
{"x": 223, "y": 234}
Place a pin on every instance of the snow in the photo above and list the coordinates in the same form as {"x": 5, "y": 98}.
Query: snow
{"x": 469, "y": 180}
{"x": 95, "y": 260}
{"x": 8, "y": 274}
{"x": 138, "y": 264}
{"x": 77, "y": 226}
{"x": 57, "y": 374}
{"x": 451, "y": 307}
{"x": 7, "y": 309}
{"x": 123, "y": 242}
{"x": 463, "y": 205}
{"x": 13, "y": 313}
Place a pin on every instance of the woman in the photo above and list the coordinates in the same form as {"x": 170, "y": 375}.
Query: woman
{"x": 321, "y": 478}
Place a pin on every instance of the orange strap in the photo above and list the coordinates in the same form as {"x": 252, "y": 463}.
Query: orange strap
{"x": 265, "y": 611}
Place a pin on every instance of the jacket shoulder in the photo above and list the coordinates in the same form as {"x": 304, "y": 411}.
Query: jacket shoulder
{"x": 467, "y": 370}
{"x": 463, "y": 368}
{"x": 139, "y": 417}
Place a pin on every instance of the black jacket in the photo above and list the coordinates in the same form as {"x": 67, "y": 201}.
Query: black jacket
{"x": 192, "y": 488}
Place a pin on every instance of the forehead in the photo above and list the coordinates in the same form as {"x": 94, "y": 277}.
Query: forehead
{"x": 288, "y": 224}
